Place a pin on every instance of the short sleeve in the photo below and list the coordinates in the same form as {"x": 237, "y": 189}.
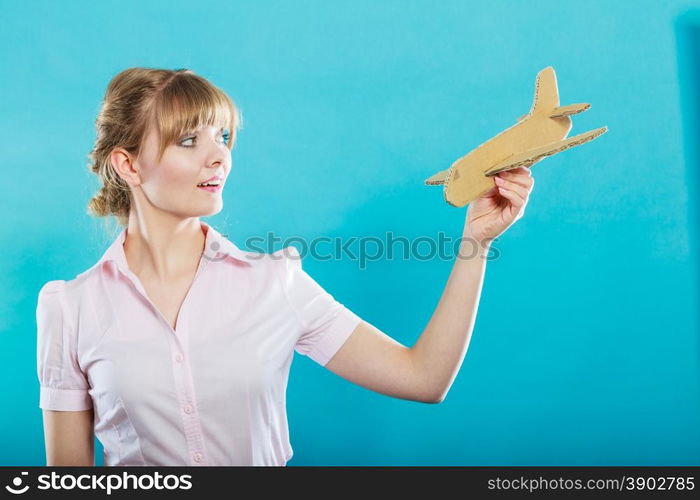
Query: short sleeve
{"x": 62, "y": 385}
{"x": 326, "y": 323}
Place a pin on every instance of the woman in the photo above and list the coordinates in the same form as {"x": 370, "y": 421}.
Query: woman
{"x": 175, "y": 347}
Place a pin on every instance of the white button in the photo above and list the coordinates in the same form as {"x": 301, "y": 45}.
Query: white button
{"x": 198, "y": 457}
{"x": 188, "y": 409}
{"x": 179, "y": 358}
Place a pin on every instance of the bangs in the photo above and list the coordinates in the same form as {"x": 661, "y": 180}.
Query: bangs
{"x": 189, "y": 103}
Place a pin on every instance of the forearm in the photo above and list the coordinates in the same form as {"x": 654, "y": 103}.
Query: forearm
{"x": 440, "y": 349}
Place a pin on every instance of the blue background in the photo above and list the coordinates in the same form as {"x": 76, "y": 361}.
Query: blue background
{"x": 585, "y": 349}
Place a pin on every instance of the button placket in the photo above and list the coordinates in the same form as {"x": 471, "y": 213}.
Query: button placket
{"x": 186, "y": 396}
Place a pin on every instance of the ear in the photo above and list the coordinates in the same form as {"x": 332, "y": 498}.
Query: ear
{"x": 124, "y": 166}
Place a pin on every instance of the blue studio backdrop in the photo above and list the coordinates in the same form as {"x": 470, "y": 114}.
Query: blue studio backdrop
{"x": 585, "y": 348}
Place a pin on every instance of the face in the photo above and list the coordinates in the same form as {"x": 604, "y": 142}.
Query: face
{"x": 171, "y": 184}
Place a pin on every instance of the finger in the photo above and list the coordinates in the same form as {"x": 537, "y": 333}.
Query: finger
{"x": 515, "y": 199}
{"x": 518, "y": 170}
{"x": 522, "y": 179}
{"x": 513, "y": 186}
{"x": 521, "y": 170}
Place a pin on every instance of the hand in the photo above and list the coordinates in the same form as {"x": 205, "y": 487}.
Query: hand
{"x": 496, "y": 210}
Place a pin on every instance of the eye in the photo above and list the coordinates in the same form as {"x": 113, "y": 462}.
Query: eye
{"x": 187, "y": 139}
{"x": 226, "y": 136}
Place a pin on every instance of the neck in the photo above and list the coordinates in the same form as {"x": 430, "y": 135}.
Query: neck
{"x": 162, "y": 246}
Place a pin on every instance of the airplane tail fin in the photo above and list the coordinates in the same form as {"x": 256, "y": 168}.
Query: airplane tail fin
{"x": 546, "y": 93}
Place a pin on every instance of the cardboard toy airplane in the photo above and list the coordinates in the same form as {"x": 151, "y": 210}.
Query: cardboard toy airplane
{"x": 540, "y": 133}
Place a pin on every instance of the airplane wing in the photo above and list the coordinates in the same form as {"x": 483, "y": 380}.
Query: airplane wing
{"x": 532, "y": 156}
{"x": 571, "y": 109}
{"x": 438, "y": 178}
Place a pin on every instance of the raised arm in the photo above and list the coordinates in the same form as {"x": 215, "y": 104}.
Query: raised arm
{"x": 426, "y": 371}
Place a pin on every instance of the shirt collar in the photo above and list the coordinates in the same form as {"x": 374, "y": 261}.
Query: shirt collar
{"x": 216, "y": 248}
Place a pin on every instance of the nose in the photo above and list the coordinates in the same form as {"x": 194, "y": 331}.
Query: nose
{"x": 217, "y": 157}
{"x": 218, "y": 154}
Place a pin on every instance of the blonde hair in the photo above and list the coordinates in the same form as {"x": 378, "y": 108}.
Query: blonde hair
{"x": 174, "y": 101}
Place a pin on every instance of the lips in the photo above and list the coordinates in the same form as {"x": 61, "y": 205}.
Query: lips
{"x": 217, "y": 179}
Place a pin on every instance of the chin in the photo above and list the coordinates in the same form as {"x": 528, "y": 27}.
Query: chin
{"x": 213, "y": 209}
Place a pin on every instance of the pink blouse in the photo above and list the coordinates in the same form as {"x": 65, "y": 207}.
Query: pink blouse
{"x": 210, "y": 392}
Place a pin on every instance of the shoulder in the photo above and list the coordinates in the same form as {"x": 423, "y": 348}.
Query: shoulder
{"x": 51, "y": 288}
{"x": 50, "y": 295}
{"x": 61, "y": 295}
{"x": 50, "y": 307}
{"x": 274, "y": 262}
{"x": 284, "y": 261}
{"x": 270, "y": 271}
